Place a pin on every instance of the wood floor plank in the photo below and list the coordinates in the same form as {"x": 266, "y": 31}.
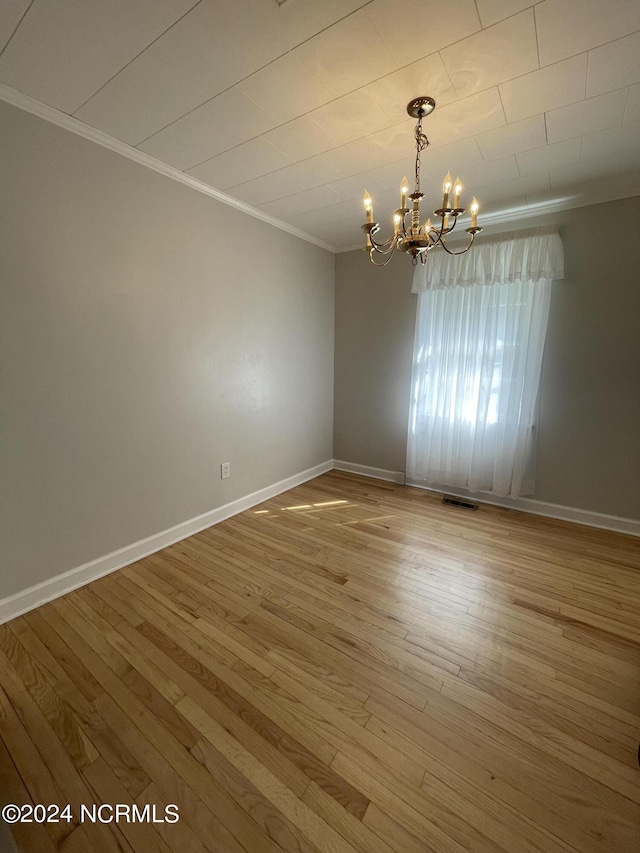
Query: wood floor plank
{"x": 178, "y": 836}
{"x": 47, "y": 771}
{"x": 104, "y": 740}
{"x": 32, "y": 838}
{"x": 195, "y": 811}
{"x": 253, "y": 801}
{"x": 351, "y": 666}
{"x": 221, "y": 700}
{"x": 57, "y": 712}
{"x": 320, "y": 833}
{"x": 508, "y": 769}
{"x": 140, "y": 835}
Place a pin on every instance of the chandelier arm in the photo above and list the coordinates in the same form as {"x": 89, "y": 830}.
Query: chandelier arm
{"x": 473, "y": 237}
{"x": 384, "y": 245}
{"x": 437, "y": 239}
{"x": 452, "y": 224}
{"x": 384, "y": 263}
{"x": 383, "y": 249}
{"x": 443, "y": 233}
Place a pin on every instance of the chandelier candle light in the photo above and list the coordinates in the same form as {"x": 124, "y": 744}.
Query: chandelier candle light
{"x": 417, "y": 239}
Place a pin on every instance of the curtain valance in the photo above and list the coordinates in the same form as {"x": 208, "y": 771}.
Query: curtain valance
{"x": 530, "y": 255}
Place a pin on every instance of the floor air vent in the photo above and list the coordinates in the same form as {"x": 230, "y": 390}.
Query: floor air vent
{"x": 451, "y": 500}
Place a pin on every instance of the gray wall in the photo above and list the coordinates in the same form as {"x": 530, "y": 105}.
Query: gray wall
{"x": 589, "y": 436}
{"x": 148, "y": 333}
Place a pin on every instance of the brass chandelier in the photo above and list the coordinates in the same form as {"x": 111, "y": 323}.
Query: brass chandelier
{"x": 414, "y": 238}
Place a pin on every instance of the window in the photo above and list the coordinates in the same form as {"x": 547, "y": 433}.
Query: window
{"x": 476, "y": 371}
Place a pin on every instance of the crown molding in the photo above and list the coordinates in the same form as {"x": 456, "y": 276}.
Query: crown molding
{"x": 67, "y": 122}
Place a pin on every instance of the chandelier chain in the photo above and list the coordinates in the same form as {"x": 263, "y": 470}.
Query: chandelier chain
{"x": 421, "y": 144}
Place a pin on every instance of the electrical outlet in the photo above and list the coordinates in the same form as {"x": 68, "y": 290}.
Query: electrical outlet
{"x": 225, "y": 470}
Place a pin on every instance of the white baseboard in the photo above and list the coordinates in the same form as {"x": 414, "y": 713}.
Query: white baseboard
{"x": 368, "y": 471}
{"x": 530, "y": 505}
{"x": 28, "y": 599}
{"x": 616, "y": 523}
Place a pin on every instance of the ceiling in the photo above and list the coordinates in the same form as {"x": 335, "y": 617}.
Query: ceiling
{"x": 295, "y": 107}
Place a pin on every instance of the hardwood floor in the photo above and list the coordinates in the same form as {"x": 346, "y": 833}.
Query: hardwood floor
{"x": 351, "y": 666}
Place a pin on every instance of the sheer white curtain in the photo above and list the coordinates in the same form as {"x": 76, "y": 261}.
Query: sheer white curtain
{"x": 480, "y": 331}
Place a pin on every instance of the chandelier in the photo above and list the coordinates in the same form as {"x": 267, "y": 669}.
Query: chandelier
{"x": 412, "y": 237}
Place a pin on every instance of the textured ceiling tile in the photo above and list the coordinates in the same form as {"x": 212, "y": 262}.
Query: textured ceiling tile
{"x": 391, "y": 176}
{"x": 261, "y": 190}
{"x": 247, "y": 161}
{"x": 625, "y": 167}
{"x": 142, "y": 99}
{"x": 467, "y": 117}
{"x": 395, "y": 143}
{"x": 632, "y": 113}
{"x": 512, "y": 138}
{"x": 317, "y": 198}
{"x": 347, "y": 55}
{"x": 220, "y": 124}
{"x": 485, "y": 174}
{"x": 301, "y": 138}
{"x": 614, "y": 65}
{"x": 425, "y": 77}
{"x": 354, "y": 186}
{"x": 492, "y": 11}
{"x": 411, "y": 30}
{"x": 612, "y": 141}
{"x": 377, "y": 182}
{"x": 63, "y": 52}
{"x": 349, "y": 159}
{"x": 282, "y": 208}
{"x": 285, "y": 89}
{"x": 120, "y": 117}
{"x": 314, "y": 219}
{"x": 546, "y": 89}
{"x": 454, "y": 158}
{"x": 504, "y": 190}
{"x": 586, "y": 116}
{"x": 312, "y": 172}
{"x": 293, "y": 205}
{"x": 204, "y": 52}
{"x": 268, "y": 29}
{"x": 218, "y": 44}
{"x": 11, "y": 11}
{"x": 549, "y": 156}
{"x": 351, "y": 117}
{"x": 493, "y": 55}
{"x": 567, "y": 27}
